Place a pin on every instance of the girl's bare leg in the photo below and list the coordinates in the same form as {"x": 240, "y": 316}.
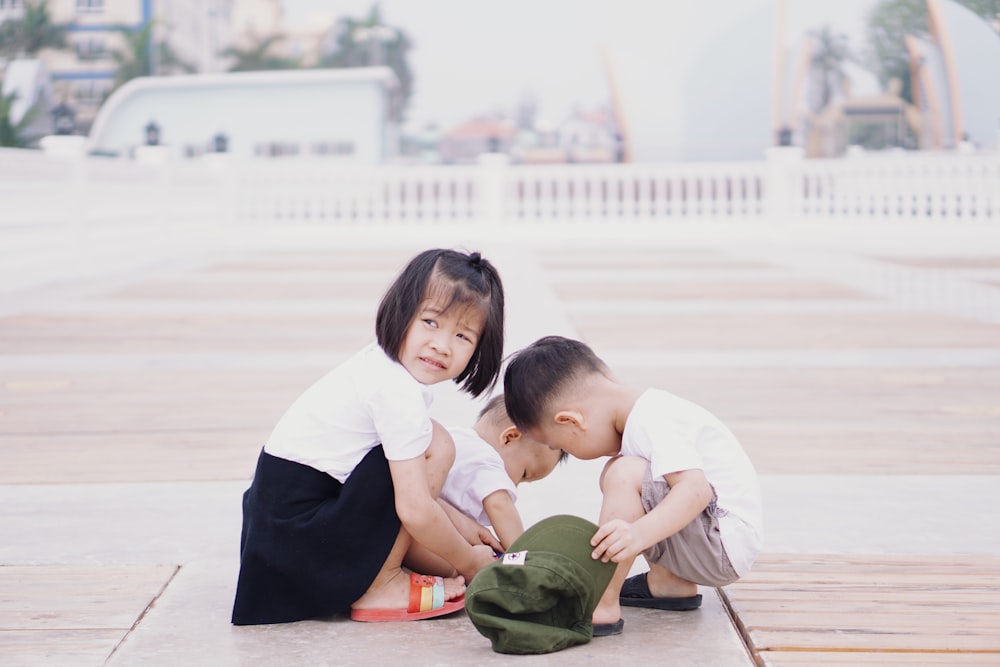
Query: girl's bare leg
{"x": 391, "y": 587}
{"x": 440, "y": 456}
{"x": 423, "y": 560}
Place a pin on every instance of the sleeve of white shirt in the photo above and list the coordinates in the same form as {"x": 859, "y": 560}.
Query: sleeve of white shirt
{"x": 402, "y": 420}
{"x": 478, "y": 472}
{"x": 487, "y": 479}
{"x": 660, "y": 430}
{"x": 668, "y": 444}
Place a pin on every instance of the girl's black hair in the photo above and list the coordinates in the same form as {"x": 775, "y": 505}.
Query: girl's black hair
{"x": 464, "y": 279}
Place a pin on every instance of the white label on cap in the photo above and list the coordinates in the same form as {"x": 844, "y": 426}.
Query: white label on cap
{"x": 516, "y": 558}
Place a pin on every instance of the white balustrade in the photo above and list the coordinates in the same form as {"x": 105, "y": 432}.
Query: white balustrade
{"x": 783, "y": 188}
{"x": 953, "y": 187}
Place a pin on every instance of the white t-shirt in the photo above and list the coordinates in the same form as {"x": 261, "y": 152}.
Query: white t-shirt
{"x": 674, "y": 434}
{"x": 477, "y": 472}
{"x": 368, "y": 400}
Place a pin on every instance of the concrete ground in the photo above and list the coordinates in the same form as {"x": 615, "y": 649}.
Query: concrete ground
{"x": 141, "y": 367}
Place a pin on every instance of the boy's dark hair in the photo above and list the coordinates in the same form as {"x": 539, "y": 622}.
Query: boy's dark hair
{"x": 463, "y": 280}
{"x": 542, "y": 370}
{"x": 496, "y": 405}
{"x": 496, "y": 409}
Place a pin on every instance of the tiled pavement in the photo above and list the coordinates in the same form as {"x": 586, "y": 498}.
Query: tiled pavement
{"x": 140, "y": 373}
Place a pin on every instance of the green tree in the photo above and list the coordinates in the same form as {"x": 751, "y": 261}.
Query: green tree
{"x": 137, "y": 58}
{"x": 257, "y": 56}
{"x": 31, "y": 33}
{"x": 369, "y": 42}
{"x": 14, "y": 135}
{"x": 891, "y": 20}
{"x": 888, "y": 24}
{"x": 827, "y": 64}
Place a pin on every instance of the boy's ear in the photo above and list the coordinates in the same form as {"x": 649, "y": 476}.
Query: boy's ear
{"x": 510, "y": 434}
{"x": 569, "y": 417}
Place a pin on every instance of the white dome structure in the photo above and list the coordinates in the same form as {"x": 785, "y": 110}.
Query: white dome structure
{"x": 956, "y": 75}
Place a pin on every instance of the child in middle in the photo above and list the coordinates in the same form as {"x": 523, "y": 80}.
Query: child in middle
{"x": 491, "y": 459}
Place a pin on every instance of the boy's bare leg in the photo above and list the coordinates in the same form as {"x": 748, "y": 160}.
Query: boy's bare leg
{"x": 391, "y": 587}
{"x": 621, "y": 484}
{"x": 665, "y": 584}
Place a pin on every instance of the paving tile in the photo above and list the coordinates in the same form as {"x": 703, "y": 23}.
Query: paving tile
{"x": 58, "y": 648}
{"x": 72, "y": 614}
{"x": 735, "y": 291}
{"x": 944, "y": 261}
{"x": 777, "y": 330}
{"x": 886, "y": 604}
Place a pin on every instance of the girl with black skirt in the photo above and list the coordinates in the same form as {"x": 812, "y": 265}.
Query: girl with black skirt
{"x": 347, "y": 484}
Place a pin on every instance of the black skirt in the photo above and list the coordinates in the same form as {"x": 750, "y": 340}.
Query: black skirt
{"x": 310, "y": 545}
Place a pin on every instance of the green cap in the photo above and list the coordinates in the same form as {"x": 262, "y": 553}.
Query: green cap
{"x": 540, "y": 596}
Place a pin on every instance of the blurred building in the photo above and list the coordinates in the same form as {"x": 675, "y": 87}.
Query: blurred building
{"x": 585, "y": 137}
{"x": 334, "y": 114}
{"x": 195, "y": 33}
{"x": 30, "y": 82}
{"x": 467, "y": 141}
{"x": 698, "y": 85}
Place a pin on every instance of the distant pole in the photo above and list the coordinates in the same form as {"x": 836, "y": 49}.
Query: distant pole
{"x": 623, "y": 149}
{"x": 777, "y": 112}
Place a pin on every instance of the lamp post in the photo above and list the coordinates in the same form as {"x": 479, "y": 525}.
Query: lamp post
{"x": 152, "y": 134}
{"x": 63, "y": 119}
{"x": 221, "y": 142}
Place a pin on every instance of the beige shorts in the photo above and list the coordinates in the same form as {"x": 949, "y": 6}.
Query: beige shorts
{"x": 695, "y": 552}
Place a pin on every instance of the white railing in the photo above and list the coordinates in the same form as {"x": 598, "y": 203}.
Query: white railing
{"x": 633, "y": 192}
{"x": 906, "y": 187}
{"x": 782, "y": 188}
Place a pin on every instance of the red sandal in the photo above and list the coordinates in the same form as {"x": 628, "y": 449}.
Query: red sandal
{"x": 426, "y": 601}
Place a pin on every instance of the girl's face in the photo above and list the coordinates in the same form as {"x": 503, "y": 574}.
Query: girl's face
{"x": 439, "y": 343}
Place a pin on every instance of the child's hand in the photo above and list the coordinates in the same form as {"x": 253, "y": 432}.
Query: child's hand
{"x": 617, "y": 541}
{"x": 472, "y": 532}
{"x": 482, "y": 556}
{"x": 486, "y": 537}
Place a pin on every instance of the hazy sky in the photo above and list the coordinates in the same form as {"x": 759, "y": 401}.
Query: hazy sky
{"x": 472, "y": 57}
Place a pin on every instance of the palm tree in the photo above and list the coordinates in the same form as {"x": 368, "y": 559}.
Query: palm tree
{"x": 258, "y": 56}
{"x": 827, "y": 65}
{"x": 369, "y": 42}
{"x": 31, "y": 33}
{"x": 890, "y": 20}
{"x": 14, "y": 135}
{"x": 888, "y": 24}
{"x": 136, "y": 59}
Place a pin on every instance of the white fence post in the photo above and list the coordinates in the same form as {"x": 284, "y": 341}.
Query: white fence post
{"x": 782, "y": 190}
{"x": 492, "y": 177}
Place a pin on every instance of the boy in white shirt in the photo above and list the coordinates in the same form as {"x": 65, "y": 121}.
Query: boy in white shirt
{"x": 491, "y": 459}
{"x": 679, "y": 489}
